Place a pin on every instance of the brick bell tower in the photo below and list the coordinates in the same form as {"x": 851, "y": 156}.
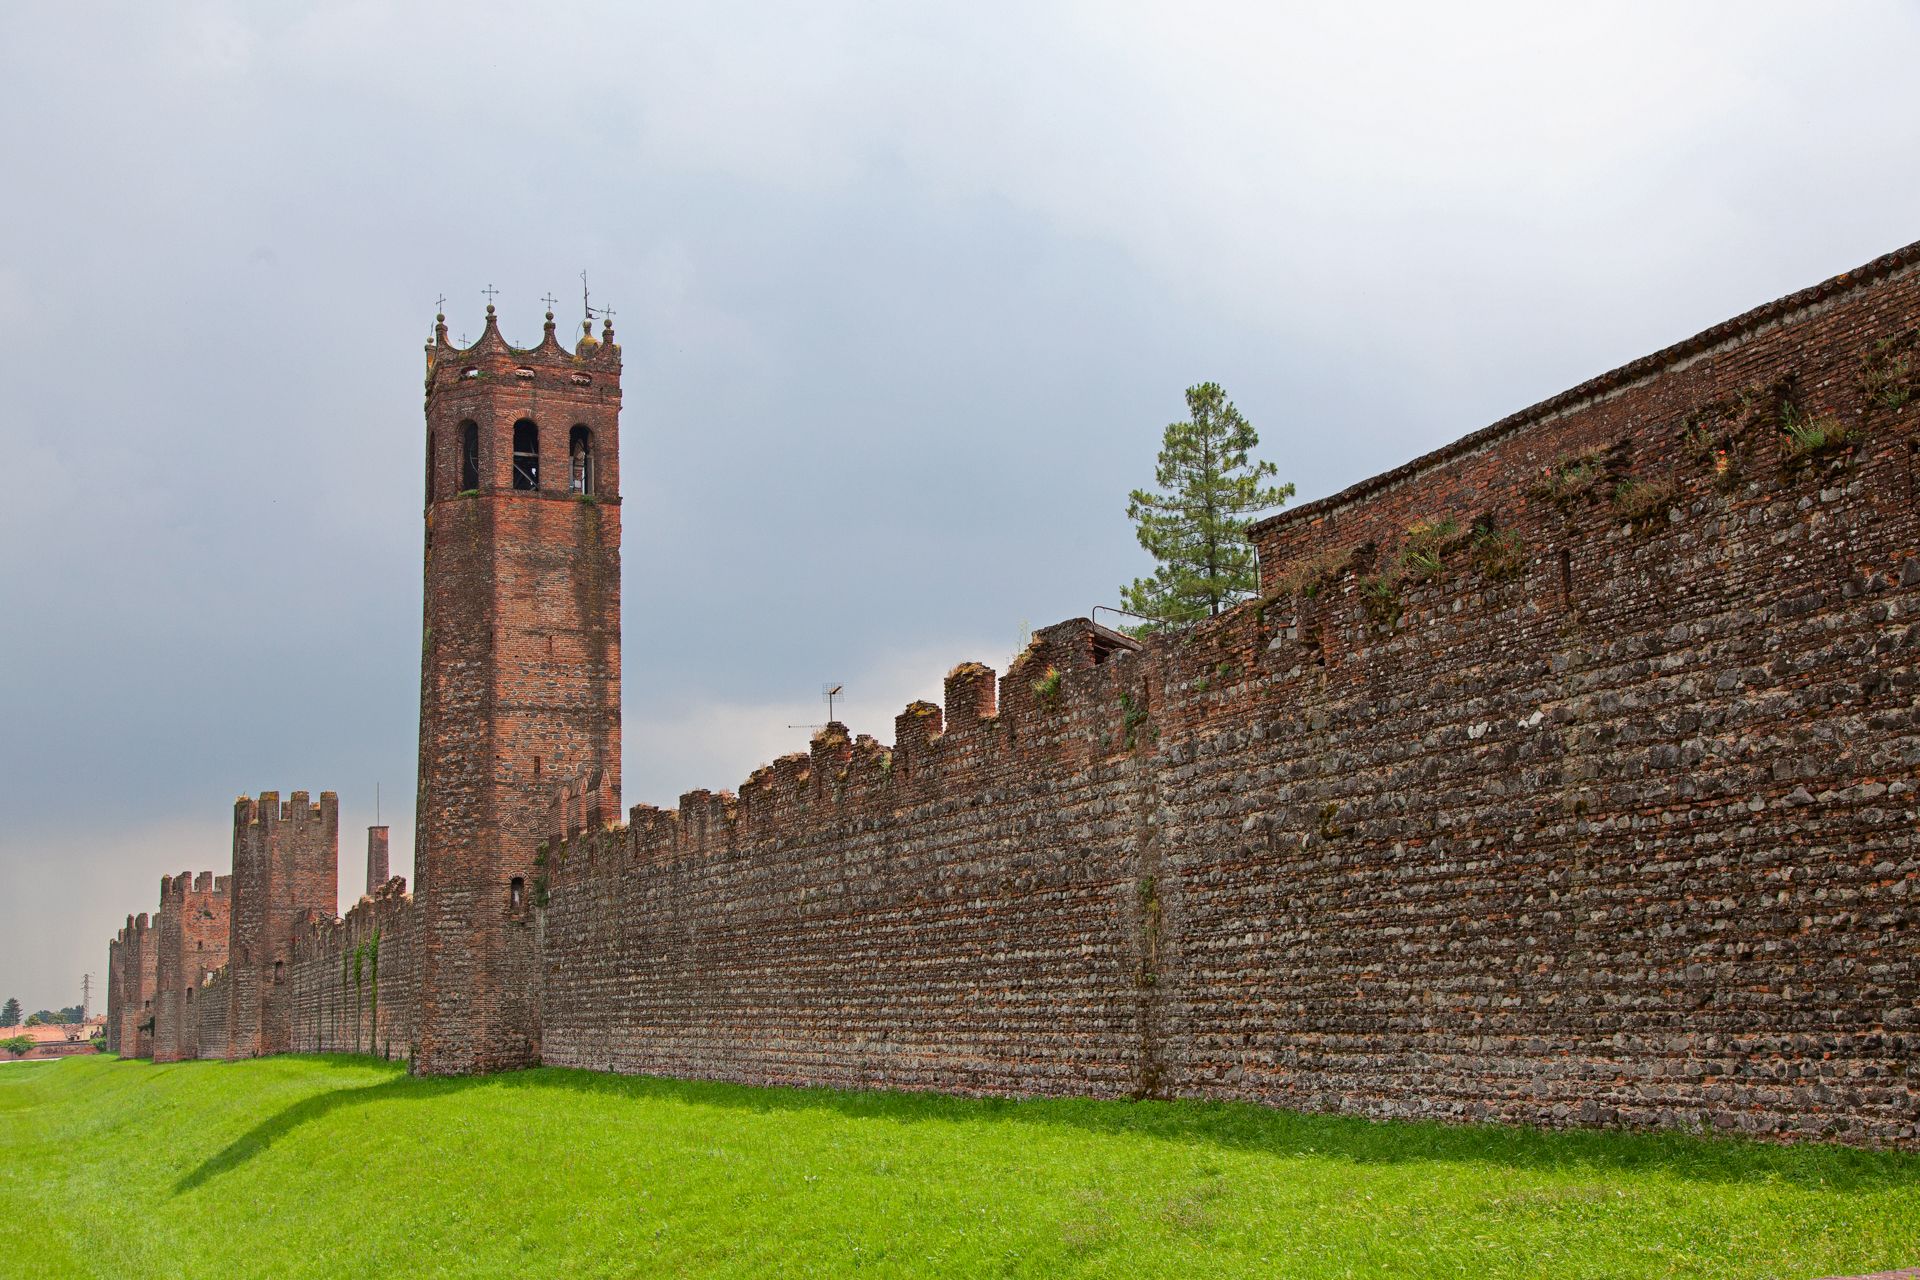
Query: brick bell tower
{"x": 519, "y": 667}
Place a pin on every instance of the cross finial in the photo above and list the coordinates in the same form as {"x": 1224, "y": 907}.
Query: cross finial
{"x": 548, "y": 299}
{"x": 440, "y": 303}
{"x": 606, "y": 313}
{"x": 490, "y": 291}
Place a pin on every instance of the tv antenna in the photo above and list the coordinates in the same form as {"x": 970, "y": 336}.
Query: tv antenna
{"x": 829, "y": 690}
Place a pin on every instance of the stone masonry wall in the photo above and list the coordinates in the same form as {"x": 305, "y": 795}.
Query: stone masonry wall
{"x": 1564, "y": 776}
{"x": 353, "y": 981}
{"x": 211, "y": 1009}
{"x": 952, "y": 914}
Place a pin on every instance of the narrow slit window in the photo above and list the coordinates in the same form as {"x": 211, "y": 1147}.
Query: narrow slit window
{"x": 517, "y": 893}
{"x": 469, "y": 456}
{"x": 429, "y": 466}
{"x": 526, "y": 454}
{"x": 580, "y": 459}
{"x": 279, "y": 972}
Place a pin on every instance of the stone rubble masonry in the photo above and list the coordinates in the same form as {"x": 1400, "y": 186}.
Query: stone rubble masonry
{"x": 1565, "y": 776}
{"x": 377, "y": 870}
{"x": 190, "y": 944}
{"x": 353, "y": 981}
{"x": 520, "y": 673}
{"x": 286, "y": 862}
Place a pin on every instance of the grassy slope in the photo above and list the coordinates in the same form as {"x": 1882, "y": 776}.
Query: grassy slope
{"x": 335, "y": 1166}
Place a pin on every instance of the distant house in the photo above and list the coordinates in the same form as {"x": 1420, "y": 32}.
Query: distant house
{"x": 57, "y": 1040}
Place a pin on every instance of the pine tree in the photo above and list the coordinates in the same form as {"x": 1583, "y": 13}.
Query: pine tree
{"x": 10, "y": 1012}
{"x": 1197, "y": 527}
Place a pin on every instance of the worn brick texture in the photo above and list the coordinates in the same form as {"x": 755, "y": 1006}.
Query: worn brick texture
{"x": 115, "y": 995}
{"x": 1564, "y": 776}
{"x": 520, "y": 669}
{"x": 286, "y": 863}
{"x": 212, "y": 1008}
{"x": 190, "y": 944}
{"x": 353, "y": 981}
{"x": 130, "y": 989}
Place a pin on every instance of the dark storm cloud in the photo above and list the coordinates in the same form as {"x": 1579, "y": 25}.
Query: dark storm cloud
{"x": 905, "y": 298}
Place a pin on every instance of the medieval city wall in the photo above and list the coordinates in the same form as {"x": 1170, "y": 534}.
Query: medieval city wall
{"x": 1564, "y": 776}
{"x": 190, "y": 943}
{"x": 212, "y": 1008}
{"x": 353, "y": 980}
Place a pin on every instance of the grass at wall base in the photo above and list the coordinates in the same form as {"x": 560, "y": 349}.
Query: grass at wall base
{"x": 333, "y": 1166}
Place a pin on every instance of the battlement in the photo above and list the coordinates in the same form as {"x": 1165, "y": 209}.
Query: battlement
{"x": 176, "y": 890}
{"x": 1059, "y": 707}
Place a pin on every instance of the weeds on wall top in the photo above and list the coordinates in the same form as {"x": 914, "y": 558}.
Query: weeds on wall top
{"x": 1889, "y": 370}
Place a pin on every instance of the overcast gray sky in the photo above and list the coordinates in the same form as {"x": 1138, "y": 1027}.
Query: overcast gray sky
{"x": 906, "y": 296}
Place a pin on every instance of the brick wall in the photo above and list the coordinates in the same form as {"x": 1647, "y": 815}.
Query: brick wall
{"x": 520, "y": 670}
{"x": 115, "y": 997}
{"x": 190, "y": 943}
{"x": 285, "y": 863}
{"x": 353, "y": 981}
{"x": 134, "y": 958}
{"x": 211, "y": 1008}
{"x": 1564, "y": 776}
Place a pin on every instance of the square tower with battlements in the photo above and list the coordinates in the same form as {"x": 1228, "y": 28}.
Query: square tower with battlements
{"x": 520, "y": 666}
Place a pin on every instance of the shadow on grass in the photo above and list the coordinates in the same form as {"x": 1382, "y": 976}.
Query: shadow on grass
{"x": 1250, "y": 1127}
{"x": 1231, "y": 1125}
{"x": 316, "y": 1107}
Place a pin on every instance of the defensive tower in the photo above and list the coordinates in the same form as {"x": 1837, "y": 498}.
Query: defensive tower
{"x": 519, "y": 668}
{"x": 286, "y": 862}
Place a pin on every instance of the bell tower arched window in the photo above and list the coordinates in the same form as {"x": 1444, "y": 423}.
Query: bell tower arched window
{"x": 526, "y": 455}
{"x": 580, "y": 459}
{"x": 469, "y": 455}
{"x": 429, "y": 466}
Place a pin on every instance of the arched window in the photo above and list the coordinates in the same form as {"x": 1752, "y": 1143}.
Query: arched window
{"x": 469, "y": 456}
{"x": 526, "y": 455}
{"x": 429, "y": 466}
{"x": 516, "y": 893}
{"x": 580, "y": 459}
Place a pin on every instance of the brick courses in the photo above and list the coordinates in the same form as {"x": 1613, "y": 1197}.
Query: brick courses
{"x": 190, "y": 943}
{"x": 1605, "y": 818}
{"x": 1565, "y": 776}
{"x": 520, "y": 671}
{"x": 286, "y": 862}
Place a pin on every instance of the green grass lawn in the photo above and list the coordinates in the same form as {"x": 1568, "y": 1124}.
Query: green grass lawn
{"x": 308, "y": 1166}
